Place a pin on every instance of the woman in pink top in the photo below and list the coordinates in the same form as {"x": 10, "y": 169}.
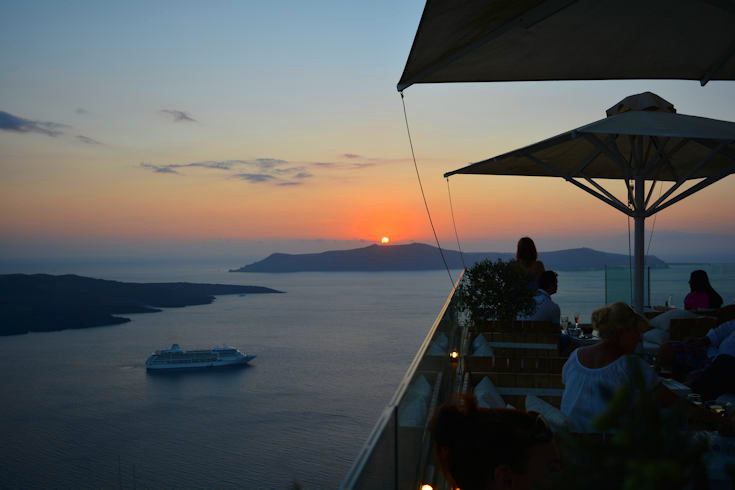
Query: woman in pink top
{"x": 703, "y": 295}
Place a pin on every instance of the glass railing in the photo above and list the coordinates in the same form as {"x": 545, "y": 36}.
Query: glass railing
{"x": 619, "y": 284}
{"x": 398, "y": 453}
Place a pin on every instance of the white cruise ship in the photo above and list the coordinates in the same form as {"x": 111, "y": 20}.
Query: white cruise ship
{"x": 176, "y": 358}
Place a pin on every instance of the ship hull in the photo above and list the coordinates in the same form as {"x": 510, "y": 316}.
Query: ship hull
{"x": 195, "y": 366}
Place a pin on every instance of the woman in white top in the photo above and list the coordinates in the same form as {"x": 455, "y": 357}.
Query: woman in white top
{"x": 606, "y": 363}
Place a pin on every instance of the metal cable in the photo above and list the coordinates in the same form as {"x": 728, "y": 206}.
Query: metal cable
{"x": 630, "y": 255}
{"x": 454, "y": 224}
{"x": 653, "y": 225}
{"x": 423, "y": 195}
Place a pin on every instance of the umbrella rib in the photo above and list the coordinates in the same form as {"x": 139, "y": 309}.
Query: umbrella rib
{"x": 706, "y": 182}
{"x": 666, "y": 159}
{"x": 725, "y": 151}
{"x": 650, "y": 193}
{"x": 617, "y": 205}
{"x": 615, "y": 155}
{"x": 655, "y": 207}
{"x": 578, "y": 171}
{"x": 662, "y": 158}
{"x": 607, "y": 193}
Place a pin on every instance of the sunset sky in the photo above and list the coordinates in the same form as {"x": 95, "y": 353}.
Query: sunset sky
{"x": 241, "y": 128}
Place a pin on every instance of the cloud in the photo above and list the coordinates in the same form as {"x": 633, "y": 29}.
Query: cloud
{"x": 9, "y": 122}
{"x": 266, "y": 163}
{"x": 350, "y": 156}
{"x": 159, "y": 169}
{"x": 177, "y": 116}
{"x": 87, "y": 140}
{"x": 270, "y": 171}
{"x": 360, "y": 166}
{"x": 81, "y": 110}
{"x": 254, "y": 178}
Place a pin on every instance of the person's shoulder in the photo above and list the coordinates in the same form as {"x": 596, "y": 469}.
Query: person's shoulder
{"x": 727, "y": 326}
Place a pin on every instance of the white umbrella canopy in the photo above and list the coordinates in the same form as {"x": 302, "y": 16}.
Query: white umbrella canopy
{"x": 527, "y": 40}
{"x": 642, "y": 140}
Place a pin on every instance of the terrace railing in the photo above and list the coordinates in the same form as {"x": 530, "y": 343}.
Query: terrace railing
{"x": 398, "y": 452}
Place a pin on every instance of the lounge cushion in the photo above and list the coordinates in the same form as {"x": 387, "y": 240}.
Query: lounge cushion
{"x": 663, "y": 321}
{"x": 487, "y": 395}
{"x": 557, "y": 420}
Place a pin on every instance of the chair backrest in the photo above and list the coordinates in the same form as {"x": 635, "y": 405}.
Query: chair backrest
{"x": 683, "y": 328}
{"x": 725, "y": 314}
{"x": 525, "y": 361}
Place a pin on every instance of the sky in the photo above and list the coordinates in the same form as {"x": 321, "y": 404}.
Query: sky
{"x": 179, "y": 129}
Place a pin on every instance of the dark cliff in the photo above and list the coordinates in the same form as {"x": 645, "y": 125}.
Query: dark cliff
{"x": 42, "y": 302}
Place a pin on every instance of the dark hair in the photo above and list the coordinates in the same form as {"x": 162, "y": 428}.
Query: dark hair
{"x": 471, "y": 442}
{"x": 546, "y": 279}
{"x": 526, "y": 251}
{"x": 699, "y": 282}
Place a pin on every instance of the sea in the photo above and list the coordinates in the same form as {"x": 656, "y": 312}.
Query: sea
{"x": 78, "y": 409}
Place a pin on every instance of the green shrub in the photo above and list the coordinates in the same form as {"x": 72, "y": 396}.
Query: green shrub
{"x": 495, "y": 291}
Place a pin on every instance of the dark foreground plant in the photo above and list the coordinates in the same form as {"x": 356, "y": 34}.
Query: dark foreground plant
{"x": 495, "y": 291}
{"x": 645, "y": 447}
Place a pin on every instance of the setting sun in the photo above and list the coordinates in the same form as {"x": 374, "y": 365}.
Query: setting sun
{"x": 385, "y": 240}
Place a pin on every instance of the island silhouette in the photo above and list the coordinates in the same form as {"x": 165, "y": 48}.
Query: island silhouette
{"x": 44, "y": 303}
{"x": 419, "y": 256}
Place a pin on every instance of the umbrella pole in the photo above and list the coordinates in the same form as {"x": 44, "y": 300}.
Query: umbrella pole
{"x": 640, "y": 228}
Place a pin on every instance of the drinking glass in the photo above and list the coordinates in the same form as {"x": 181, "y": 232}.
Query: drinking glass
{"x": 564, "y": 322}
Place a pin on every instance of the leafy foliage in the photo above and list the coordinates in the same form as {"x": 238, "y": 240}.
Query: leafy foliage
{"x": 495, "y": 291}
{"x": 646, "y": 447}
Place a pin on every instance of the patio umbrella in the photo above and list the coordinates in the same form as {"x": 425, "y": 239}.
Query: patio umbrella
{"x": 498, "y": 40}
{"x": 641, "y": 140}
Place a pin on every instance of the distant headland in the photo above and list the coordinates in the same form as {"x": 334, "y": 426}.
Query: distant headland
{"x": 44, "y": 303}
{"x": 419, "y": 256}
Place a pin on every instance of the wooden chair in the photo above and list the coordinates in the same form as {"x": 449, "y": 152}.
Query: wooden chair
{"x": 683, "y": 328}
{"x": 525, "y": 361}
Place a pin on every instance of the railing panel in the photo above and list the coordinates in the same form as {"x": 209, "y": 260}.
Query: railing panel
{"x": 398, "y": 452}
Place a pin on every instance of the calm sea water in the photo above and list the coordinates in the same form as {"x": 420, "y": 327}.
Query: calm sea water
{"x": 79, "y": 411}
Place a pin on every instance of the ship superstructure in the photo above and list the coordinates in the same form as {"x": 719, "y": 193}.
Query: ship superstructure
{"x": 177, "y": 358}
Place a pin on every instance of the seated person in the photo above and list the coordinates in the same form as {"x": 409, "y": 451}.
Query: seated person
{"x": 481, "y": 448}
{"x": 546, "y": 309}
{"x": 606, "y": 363}
{"x": 527, "y": 259}
{"x": 718, "y": 375}
{"x": 702, "y": 295}
{"x": 692, "y": 356}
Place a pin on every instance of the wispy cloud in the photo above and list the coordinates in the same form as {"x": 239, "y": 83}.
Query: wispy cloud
{"x": 271, "y": 171}
{"x": 177, "y": 116}
{"x": 81, "y": 110}
{"x": 254, "y": 178}
{"x": 88, "y": 140}
{"x": 158, "y": 169}
{"x": 360, "y": 166}
{"x": 256, "y": 171}
{"x": 9, "y": 122}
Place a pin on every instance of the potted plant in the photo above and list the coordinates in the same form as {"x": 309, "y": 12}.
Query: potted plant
{"x": 495, "y": 291}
